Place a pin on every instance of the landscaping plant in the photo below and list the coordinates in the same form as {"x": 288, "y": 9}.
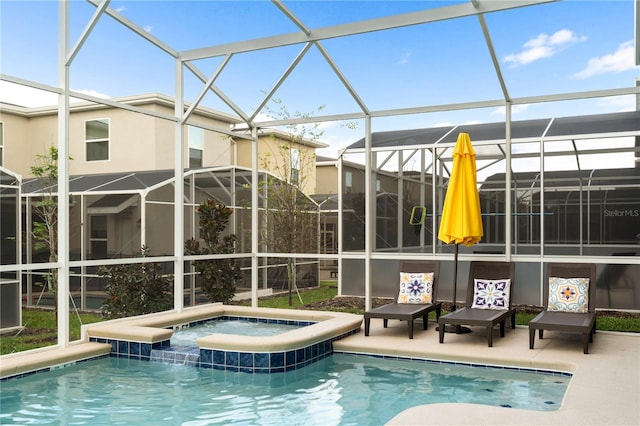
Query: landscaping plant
{"x": 217, "y": 276}
{"x": 136, "y": 288}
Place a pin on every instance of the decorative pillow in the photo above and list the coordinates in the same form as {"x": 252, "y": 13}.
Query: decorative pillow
{"x": 491, "y": 294}
{"x": 416, "y": 287}
{"x": 568, "y": 294}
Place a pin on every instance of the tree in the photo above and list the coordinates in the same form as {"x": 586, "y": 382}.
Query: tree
{"x": 136, "y": 288}
{"x": 218, "y": 276}
{"x": 290, "y": 219}
{"x": 44, "y": 230}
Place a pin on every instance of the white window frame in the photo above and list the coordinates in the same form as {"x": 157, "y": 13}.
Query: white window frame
{"x": 295, "y": 165}
{"x": 195, "y": 139}
{"x": 348, "y": 182}
{"x": 87, "y": 141}
{"x": 98, "y": 239}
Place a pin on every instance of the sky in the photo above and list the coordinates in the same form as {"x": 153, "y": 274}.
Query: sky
{"x": 567, "y": 46}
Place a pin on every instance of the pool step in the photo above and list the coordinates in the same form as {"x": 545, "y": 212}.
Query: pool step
{"x": 183, "y": 355}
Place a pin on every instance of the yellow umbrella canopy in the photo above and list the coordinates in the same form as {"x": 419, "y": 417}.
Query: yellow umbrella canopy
{"x": 461, "y": 221}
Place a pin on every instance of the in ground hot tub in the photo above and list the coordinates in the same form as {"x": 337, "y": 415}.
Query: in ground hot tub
{"x": 137, "y": 337}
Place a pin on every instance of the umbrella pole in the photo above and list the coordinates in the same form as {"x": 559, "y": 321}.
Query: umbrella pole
{"x": 458, "y": 329}
{"x": 455, "y": 277}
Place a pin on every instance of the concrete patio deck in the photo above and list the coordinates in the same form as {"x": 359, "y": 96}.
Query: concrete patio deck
{"x": 604, "y": 389}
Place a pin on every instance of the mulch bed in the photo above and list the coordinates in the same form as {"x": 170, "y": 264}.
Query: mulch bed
{"x": 353, "y": 302}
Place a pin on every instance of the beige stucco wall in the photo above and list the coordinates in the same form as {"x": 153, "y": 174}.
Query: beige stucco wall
{"x": 326, "y": 179}
{"x": 137, "y": 142}
{"x": 269, "y": 150}
{"x": 14, "y": 156}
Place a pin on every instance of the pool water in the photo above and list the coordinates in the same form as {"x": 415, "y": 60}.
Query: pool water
{"x": 188, "y": 335}
{"x": 341, "y": 389}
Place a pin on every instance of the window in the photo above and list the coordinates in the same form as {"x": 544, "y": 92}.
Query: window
{"x": 295, "y": 165}
{"x": 1, "y": 141}
{"x": 195, "y": 137}
{"x": 348, "y": 182}
{"x": 98, "y": 237}
{"x": 97, "y": 139}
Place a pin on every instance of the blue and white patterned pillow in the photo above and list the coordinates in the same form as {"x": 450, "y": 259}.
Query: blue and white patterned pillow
{"x": 568, "y": 294}
{"x": 416, "y": 287}
{"x": 491, "y": 294}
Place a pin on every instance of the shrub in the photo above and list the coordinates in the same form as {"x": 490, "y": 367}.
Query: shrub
{"x": 136, "y": 289}
{"x": 218, "y": 276}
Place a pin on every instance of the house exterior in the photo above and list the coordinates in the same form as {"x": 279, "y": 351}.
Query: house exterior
{"x": 287, "y": 156}
{"x": 104, "y": 139}
{"x": 121, "y": 168}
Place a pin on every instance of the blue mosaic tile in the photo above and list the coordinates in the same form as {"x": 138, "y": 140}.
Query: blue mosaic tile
{"x": 277, "y": 360}
{"x": 206, "y": 356}
{"x": 231, "y": 359}
{"x": 145, "y": 350}
{"x": 134, "y": 348}
{"x": 290, "y": 357}
{"x": 262, "y": 360}
{"x": 218, "y": 357}
{"x": 123, "y": 347}
{"x": 246, "y": 359}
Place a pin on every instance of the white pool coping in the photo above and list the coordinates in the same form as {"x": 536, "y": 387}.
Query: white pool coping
{"x": 152, "y": 328}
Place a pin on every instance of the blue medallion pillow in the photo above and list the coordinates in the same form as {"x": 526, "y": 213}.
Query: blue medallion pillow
{"x": 416, "y": 287}
{"x": 491, "y": 294}
{"x": 568, "y": 294}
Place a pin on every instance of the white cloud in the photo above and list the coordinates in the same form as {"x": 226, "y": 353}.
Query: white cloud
{"x": 618, "y": 103}
{"x": 543, "y": 46}
{"x": 443, "y": 124}
{"x": 148, "y": 28}
{"x": 404, "y": 58}
{"x": 29, "y": 97}
{"x": 120, "y": 9}
{"x": 515, "y": 109}
{"x": 92, "y": 93}
{"x": 450, "y": 124}
{"x": 17, "y": 94}
{"x": 618, "y": 61}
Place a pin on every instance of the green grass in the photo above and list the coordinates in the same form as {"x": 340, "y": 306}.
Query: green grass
{"x": 40, "y": 330}
{"x": 327, "y": 290}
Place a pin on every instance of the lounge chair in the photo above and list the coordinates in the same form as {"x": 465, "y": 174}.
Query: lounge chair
{"x": 483, "y": 307}
{"x": 409, "y": 306}
{"x": 569, "y": 305}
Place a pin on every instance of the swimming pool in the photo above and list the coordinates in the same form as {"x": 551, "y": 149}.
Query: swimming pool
{"x": 341, "y": 389}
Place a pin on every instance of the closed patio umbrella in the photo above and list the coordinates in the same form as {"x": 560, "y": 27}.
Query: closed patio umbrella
{"x": 461, "y": 221}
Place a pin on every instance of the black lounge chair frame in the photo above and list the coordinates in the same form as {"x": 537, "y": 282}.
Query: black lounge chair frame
{"x": 583, "y": 323}
{"x": 408, "y": 311}
{"x": 482, "y": 317}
